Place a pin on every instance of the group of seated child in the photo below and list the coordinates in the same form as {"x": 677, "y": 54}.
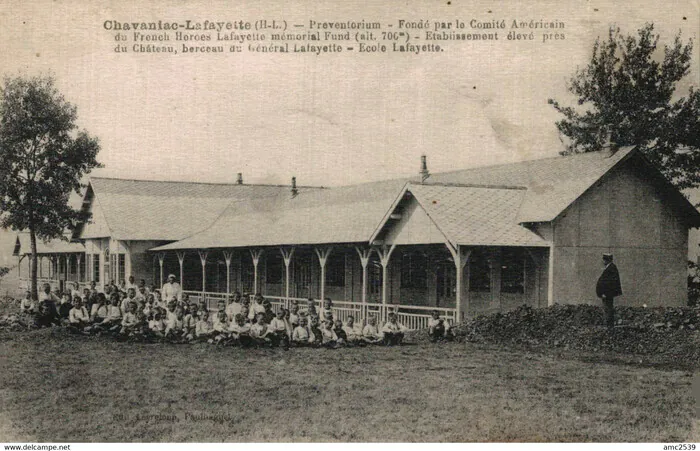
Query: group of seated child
{"x": 142, "y": 315}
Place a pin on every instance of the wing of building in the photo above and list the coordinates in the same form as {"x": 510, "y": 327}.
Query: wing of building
{"x": 465, "y": 242}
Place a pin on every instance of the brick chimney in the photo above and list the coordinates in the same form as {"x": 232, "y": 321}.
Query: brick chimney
{"x": 295, "y": 191}
{"x": 239, "y": 178}
{"x": 424, "y": 174}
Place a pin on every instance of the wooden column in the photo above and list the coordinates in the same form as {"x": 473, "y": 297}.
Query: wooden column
{"x": 161, "y": 257}
{"x": 116, "y": 265}
{"x": 322, "y": 253}
{"x": 255, "y": 254}
{"x": 79, "y": 258}
{"x": 227, "y": 258}
{"x": 384, "y": 253}
{"x": 203, "y": 258}
{"x": 550, "y": 277}
{"x": 287, "y": 255}
{"x": 460, "y": 255}
{"x": 181, "y": 260}
{"x": 365, "y": 255}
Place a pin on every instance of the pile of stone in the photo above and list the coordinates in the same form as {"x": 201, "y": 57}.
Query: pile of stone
{"x": 671, "y": 332}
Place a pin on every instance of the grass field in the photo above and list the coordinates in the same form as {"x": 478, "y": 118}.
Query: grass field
{"x": 56, "y": 387}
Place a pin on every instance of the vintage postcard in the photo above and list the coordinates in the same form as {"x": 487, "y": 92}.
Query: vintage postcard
{"x": 332, "y": 221}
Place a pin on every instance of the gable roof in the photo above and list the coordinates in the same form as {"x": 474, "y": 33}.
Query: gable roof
{"x": 552, "y": 183}
{"x": 474, "y": 215}
{"x": 159, "y": 210}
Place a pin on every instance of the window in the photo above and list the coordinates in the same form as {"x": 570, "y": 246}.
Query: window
{"x": 96, "y": 267}
{"x": 479, "y": 271}
{"x": 275, "y": 268}
{"x": 414, "y": 269}
{"x": 513, "y": 271}
{"x": 335, "y": 270}
{"x": 122, "y": 267}
{"x": 73, "y": 264}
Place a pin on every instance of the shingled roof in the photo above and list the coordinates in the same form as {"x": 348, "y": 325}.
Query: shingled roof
{"x": 477, "y": 206}
{"x": 552, "y": 183}
{"x": 347, "y": 214}
{"x": 477, "y": 216}
{"x": 23, "y": 246}
{"x": 164, "y": 210}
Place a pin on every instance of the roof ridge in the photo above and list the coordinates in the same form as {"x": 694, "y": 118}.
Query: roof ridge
{"x": 203, "y": 183}
{"x": 532, "y": 160}
{"x": 470, "y": 185}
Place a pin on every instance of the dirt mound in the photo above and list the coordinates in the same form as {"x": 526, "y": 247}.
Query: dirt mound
{"x": 670, "y": 332}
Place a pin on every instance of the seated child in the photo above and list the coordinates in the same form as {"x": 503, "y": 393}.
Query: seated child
{"x": 269, "y": 314}
{"x": 149, "y": 305}
{"x": 287, "y": 323}
{"x": 327, "y": 309}
{"x": 170, "y": 313}
{"x": 202, "y": 305}
{"x": 157, "y": 325}
{"x": 78, "y": 317}
{"x": 100, "y": 309}
{"x": 294, "y": 314}
{"x": 204, "y": 329}
{"x": 340, "y": 332}
{"x": 353, "y": 334}
{"x": 173, "y": 326}
{"x": 88, "y": 299}
{"x": 189, "y": 323}
{"x": 278, "y": 329}
{"x": 259, "y": 331}
{"x": 27, "y": 304}
{"x": 113, "y": 322}
{"x": 222, "y": 332}
{"x": 328, "y": 337}
{"x": 438, "y": 329}
{"x": 301, "y": 336}
{"x": 393, "y": 331}
{"x": 311, "y": 308}
{"x": 240, "y": 330}
{"x": 130, "y": 297}
{"x": 371, "y": 333}
{"x": 221, "y": 307}
{"x": 256, "y": 308}
{"x": 245, "y": 312}
{"x": 328, "y": 318}
{"x": 234, "y": 307}
{"x": 129, "y": 320}
{"x": 47, "y": 314}
{"x": 157, "y": 301}
{"x": 315, "y": 331}
{"x": 186, "y": 303}
{"x": 65, "y": 306}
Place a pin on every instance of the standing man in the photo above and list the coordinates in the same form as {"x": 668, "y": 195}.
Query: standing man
{"x": 171, "y": 289}
{"x": 608, "y": 287}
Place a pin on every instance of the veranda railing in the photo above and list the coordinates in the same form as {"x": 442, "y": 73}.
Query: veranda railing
{"x": 411, "y": 316}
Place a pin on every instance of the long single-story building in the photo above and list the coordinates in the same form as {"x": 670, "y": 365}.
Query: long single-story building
{"x": 464, "y": 242}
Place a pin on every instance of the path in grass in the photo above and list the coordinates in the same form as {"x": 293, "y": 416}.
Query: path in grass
{"x": 85, "y": 389}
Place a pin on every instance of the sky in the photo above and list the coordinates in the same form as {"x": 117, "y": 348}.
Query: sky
{"x": 328, "y": 120}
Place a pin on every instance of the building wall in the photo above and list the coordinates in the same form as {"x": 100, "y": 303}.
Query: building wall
{"x": 141, "y": 262}
{"x": 625, "y": 215}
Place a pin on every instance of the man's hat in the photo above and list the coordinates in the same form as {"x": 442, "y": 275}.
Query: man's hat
{"x": 171, "y": 276}
{"x": 608, "y": 256}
